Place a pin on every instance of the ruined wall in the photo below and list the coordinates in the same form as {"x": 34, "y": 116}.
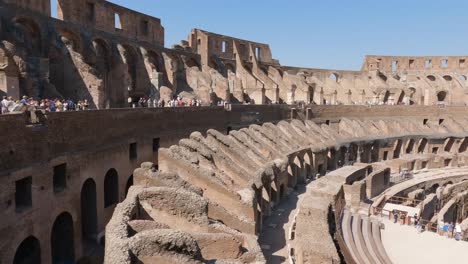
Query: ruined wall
{"x": 111, "y": 18}
{"x": 40, "y": 6}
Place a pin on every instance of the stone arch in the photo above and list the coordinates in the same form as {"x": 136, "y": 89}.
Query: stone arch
{"x": 401, "y": 98}
{"x": 128, "y": 184}
{"x": 62, "y": 239}
{"x": 463, "y": 146}
{"x": 410, "y": 146}
{"x": 293, "y": 93}
{"x": 28, "y": 252}
{"x": 448, "y": 78}
{"x": 111, "y": 188}
{"x": 155, "y": 61}
{"x": 230, "y": 67}
{"x": 441, "y": 96}
{"x": 397, "y": 150}
{"x": 129, "y": 56}
{"x": 70, "y": 39}
{"x": 214, "y": 64}
{"x": 386, "y": 96}
{"x": 192, "y": 62}
{"x": 102, "y": 55}
{"x": 412, "y": 95}
{"x": 310, "y": 94}
{"x": 309, "y": 166}
{"x": 334, "y": 77}
{"x": 28, "y": 32}
{"x": 300, "y": 171}
{"x": 422, "y": 145}
{"x": 89, "y": 210}
{"x": 431, "y": 78}
{"x": 449, "y": 144}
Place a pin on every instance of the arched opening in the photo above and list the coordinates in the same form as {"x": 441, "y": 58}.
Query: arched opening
{"x": 28, "y": 33}
{"x": 61, "y": 240}
{"x": 101, "y": 51}
{"x": 155, "y": 61}
{"x": 293, "y": 93}
{"x": 129, "y": 184}
{"x": 308, "y": 165}
{"x": 230, "y": 68}
{"x": 386, "y": 96}
{"x": 422, "y": 145}
{"x": 130, "y": 58}
{"x": 441, "y": 96}
{"x": 431, "y": 78}
{"x": 462, "y": 79}
{"x": 111, "y": 188}
{"x": 401, "y": 97}
{"x": 191, "y": 63}
{"x": 448, "y": 78}
{"x": 89, "y": 210}
{"x": 334, "y": 77}
{"x": 463, "y": 146}
{"x": 409, "y": 148}
{"x": 214, "y": 64}
{"x": 412, "y": 95}
{"x": 449, "y": 144}
{"x": 28, "y": 252}
{"x": 70, "y": 39}
{"x": 310, "y": 94}
{"x": 397, "y": 150}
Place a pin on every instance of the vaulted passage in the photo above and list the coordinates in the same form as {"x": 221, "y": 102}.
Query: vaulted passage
{"x": 61, "y": 240}
{"x": 111, "y": 188}
{"x": 88, "y": 209}
{"x": 28, "y": 252}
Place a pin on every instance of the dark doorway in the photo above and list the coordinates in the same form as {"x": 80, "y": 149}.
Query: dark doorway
{"x": 89, "y": 210}
{"x": 28, "y": 252}
{"x": 111, "y": 188}
{"x": 61, "y": 240}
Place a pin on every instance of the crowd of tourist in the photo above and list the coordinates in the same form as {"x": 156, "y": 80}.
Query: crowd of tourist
{"x": 174, "y": 102}
{"x": 8, "y": 104}
{"x": 445, "y": 229}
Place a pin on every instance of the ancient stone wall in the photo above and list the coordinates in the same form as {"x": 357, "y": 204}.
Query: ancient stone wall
{"x": 111, "y": 18}
{"x": 246, "y": 172}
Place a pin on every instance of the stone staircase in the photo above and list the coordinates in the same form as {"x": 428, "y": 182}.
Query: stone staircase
{"x": 363, "y": 239}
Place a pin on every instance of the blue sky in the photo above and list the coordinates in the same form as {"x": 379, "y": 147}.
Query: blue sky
{"x": 322, "y": 34}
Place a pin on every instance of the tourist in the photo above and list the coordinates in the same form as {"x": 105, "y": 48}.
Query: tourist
{"x": 52, "y": 106}
{"x": 161, "y": 103}
{"x": 441, "y": 227}
{"x": 4, "y": 105}
{"x": 457, "y": 232}
{"x": 130, "y": 102}
{"x": 402, "y": 218}
{"x": 445, "y": 229}
{"x": 450, "y": 230}
{"x": 395, "y": 216}
{"x": 416, "y": 219}
{"x": 24, "y": 101}
{"x": 85, "y": 104}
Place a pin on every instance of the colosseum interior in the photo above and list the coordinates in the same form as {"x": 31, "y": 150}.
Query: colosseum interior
{"x": 298, "y": 166}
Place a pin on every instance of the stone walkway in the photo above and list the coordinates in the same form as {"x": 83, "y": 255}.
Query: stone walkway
{"x": 404, "y": 245}
{"x": 275, "y": 233}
